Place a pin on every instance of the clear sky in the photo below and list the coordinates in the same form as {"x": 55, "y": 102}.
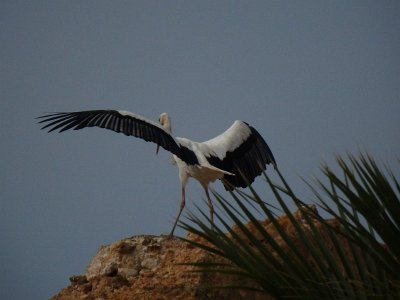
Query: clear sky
{"x": 316, "y": 78}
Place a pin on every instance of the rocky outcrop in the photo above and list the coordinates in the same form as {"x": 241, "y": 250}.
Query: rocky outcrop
{"x": 149, "y": 267}
{"x": 153, "y": 267}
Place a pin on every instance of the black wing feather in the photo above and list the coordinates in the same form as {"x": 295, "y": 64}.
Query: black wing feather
{"x": 128, "y": 124}
{"x": 247, "y": 161}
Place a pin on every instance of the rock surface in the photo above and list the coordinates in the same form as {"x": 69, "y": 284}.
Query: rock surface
{"x": 151, "y": 267}
{"x": 148, "y": 267}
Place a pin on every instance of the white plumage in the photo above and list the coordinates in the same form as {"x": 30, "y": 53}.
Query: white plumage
{"x": 237, "y": 156}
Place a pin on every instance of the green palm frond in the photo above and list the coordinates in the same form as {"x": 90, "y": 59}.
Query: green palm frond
{"x": 352, "y": 255}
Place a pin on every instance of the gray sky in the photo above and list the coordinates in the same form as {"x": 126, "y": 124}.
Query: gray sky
{"x": 316, "y": 78}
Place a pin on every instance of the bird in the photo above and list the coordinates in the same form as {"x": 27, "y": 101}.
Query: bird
{"x": 236, "y": 156}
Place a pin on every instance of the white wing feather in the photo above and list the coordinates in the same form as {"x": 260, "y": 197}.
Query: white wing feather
{"x": 227, "y": 141}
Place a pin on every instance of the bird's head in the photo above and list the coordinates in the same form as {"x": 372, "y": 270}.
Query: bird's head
{"x": 165, "y": 122}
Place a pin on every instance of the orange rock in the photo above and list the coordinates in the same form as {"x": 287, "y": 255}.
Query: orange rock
{"x": 151, "y": 267}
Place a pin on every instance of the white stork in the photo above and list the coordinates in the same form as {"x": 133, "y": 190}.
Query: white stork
{"x": 236, "y": 156}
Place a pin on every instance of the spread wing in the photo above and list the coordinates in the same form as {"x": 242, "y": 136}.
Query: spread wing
{"x": 121, "y": 121}
{"x": 240, "y": 150}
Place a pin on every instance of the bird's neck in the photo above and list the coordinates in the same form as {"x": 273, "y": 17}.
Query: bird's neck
{"x": 167, "y": 126}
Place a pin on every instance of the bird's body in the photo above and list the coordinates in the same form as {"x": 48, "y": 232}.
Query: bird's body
{"x": 236, "y": 156}
{"x": 203, "y": 171}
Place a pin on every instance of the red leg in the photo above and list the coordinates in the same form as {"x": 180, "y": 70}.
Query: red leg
{"x": 180, "y": 210}
{"x": 210, "y": 206}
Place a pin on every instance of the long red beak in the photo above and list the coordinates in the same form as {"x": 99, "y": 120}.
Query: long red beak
{"x": 158, "y": 148}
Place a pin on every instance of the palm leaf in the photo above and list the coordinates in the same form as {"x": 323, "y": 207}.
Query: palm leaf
{"x": 355, "y": 255}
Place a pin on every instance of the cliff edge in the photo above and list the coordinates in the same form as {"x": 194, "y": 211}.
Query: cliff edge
{"x": 152, "y": 267}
